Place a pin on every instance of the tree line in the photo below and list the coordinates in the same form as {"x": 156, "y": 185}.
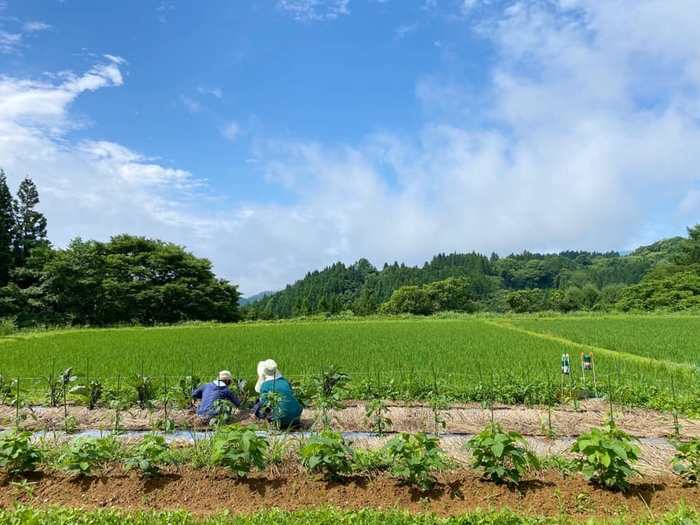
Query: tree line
{"x": 661, "y": 276}
{"x": 127, "y": 280}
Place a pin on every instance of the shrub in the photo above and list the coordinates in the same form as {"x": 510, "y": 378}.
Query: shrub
{"x": 327, "y": 452}
{"x": 414, "y": 457}
{"x": 607, "y": 456}
{"x": 239, "y": 448}
{"x": 503, "y": 456}
{"x": 686, "y": 462}
{"x": 152, "y": 453}
{"x": 86, "y": 454}
{"x": 17, "y": 453}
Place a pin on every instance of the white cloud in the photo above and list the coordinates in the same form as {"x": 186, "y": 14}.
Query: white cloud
{"x": 93, "y": 189}
{"x": 190, "y": 104}
{"x": 215, "y": 92}
{"x": 162, "y": 11}
{"x": 33, "y": 27}
{"x": 231, "y": 131}
{"x": 586, "y": 137}
{"x": 9, "y": 42}
{"x": 314, "y": 10}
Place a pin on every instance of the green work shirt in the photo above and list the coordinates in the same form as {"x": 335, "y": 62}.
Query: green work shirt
{"x": 289, "y": 410}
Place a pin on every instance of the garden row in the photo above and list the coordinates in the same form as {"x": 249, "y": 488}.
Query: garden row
{"x": 606, "y": 456}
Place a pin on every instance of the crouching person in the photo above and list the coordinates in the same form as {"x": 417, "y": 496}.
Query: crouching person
{"x": 287, "y": 413}
{"x": 216, "y": 398}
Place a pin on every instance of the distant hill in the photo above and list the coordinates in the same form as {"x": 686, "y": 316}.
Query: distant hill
{"x": 566, "y": 280}
{"x": 250, "y": 300}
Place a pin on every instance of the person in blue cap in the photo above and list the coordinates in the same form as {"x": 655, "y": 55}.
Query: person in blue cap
{"x": 216, "y": 399}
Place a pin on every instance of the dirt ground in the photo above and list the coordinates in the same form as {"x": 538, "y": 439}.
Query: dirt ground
{"x": 289, "y": 488}
{"x": 460, "y": 419}
{"x": 206, "y": 493}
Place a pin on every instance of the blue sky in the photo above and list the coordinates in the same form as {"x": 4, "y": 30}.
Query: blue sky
{"x": 279, "y": 136}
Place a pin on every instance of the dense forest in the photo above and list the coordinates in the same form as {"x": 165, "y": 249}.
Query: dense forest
{"x": 128, "y": 280}
{"x": 662, "y": 276}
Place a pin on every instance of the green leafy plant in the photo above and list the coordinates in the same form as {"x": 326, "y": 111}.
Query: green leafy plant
{"x": 183, "y": 392}
{"x": 58, "y": 386}
{"x": 414, "y": 457}
{"x": 327, "y": 395}
{"x": 239, "y": 448}
{"x": 686, "y": 462}
{"x": 502, "y": 456}
{"x": 5, "y": 390}
{"x": 23, "y": 488}
{"x": 368, "y": 461}
{"x": 607, "y": 456}
{"x": 150, "y": 455}
{"x": 376, "y": 413}
{"x": 86, "y": 454}
{"x": 71, "y": 424}
{"x": 90, "y": 393}
{"x": 146, "y": 389}
{"x": 271, "y": 405}
{"x": 17, "y": 453}
{"x": 327, "y": 452}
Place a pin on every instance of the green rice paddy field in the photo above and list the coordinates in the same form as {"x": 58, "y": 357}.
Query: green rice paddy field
{"x": 646, "y": 360}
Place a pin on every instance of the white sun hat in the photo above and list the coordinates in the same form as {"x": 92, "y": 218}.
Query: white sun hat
{"x": 225, "y": 375}
{"x": 266, "y": 370}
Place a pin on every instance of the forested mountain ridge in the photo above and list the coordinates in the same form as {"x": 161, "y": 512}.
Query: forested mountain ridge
{"x": 526, "y": 282}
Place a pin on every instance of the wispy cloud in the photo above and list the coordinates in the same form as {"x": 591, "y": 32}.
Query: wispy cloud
{"x": 162, "y": 11}
{"x": 401, "y": 31}
{"x": 32, "y": 27}
{"x": 314, "y": 10}
{"x": 190, "y": 104}
{"x": 215, "y": 92}
{"x": 9, "y": 42}
{"x": 231, "y": 131}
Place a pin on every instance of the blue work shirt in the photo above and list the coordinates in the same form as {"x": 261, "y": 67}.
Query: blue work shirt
{"x": 209, "y": 393}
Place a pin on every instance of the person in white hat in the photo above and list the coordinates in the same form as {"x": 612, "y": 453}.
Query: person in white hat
{"x": 288, "y": 411}
{"x": 215, "y": 396}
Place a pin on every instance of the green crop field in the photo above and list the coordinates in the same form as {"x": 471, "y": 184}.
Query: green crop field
{"x": 511, "y": 360}
{"x": 664, "y": 338}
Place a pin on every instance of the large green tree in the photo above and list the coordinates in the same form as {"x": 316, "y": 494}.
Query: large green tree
{"x": 136, "y": 280}
{"x": 7, "y": 230}
{"x": 30, "y": 224}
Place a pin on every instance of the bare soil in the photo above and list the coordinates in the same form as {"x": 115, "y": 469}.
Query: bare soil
{"x": 289, "y": 488}
{"x": 205, "y": 493}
